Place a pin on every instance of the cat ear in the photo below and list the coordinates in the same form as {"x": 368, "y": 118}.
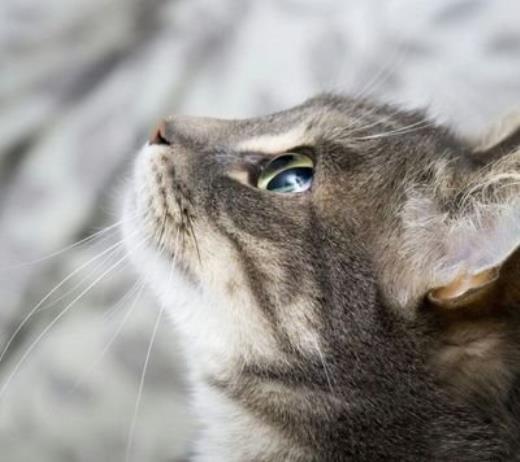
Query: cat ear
{"x": 484, "y": 232}
{"x": 465, "y": 289}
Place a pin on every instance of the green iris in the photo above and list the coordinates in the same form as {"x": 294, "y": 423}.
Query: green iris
{"x": 288, "y": 173}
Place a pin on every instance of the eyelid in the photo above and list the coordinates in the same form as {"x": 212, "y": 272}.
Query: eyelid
{"x": 264, "y": 159}
{"x": 305, "y": 150}
{"x": 259, "y": 157}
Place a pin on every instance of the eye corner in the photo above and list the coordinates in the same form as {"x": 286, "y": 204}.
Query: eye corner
{"x": 245, "y": 173}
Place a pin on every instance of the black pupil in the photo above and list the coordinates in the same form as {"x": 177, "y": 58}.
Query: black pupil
{"x": 290, "y": 178}
{"x": 280, "y": 162}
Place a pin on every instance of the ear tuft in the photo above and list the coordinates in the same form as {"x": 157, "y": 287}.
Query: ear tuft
{"x": 485, "y": 228}
{"x": 460, "y": 229}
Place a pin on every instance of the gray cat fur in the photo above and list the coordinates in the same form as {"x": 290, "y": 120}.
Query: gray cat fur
{"x": 304, "y": 317}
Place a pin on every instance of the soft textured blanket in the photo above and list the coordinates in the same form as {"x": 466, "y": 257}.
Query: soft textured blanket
{"x": 81, "y": 84}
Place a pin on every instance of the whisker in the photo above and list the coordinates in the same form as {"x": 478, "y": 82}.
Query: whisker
{"x": 57, "y": 318}
{"x": 384, "y": 72}
{"x": 111, "y": 312}
{"x": 379, "y": 121}
{"x": 400, "y": 131}
{"x": 31, "y": 313}
{"x": 137, "y": 288}
{"x": 98, "y": 266}
{"x": 194, "y": 239}
{"x": 54, "y": 302}
{"x": 391, "y": 117}
{"x": 323, "y": 363}
{"x": 131, "y": 431}
{"x": 85, "y": 240}
{"x": 160, "y": 241}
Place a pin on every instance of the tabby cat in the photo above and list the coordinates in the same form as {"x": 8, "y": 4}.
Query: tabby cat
{"x": 343, "y": 279}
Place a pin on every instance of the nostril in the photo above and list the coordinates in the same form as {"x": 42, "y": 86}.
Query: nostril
{"x": 158, "y": 135}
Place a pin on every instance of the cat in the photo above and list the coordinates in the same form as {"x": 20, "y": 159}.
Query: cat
{"x": 343, "y": 279}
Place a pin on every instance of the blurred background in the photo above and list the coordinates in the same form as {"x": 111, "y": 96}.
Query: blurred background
{"x": 81, "y": 84}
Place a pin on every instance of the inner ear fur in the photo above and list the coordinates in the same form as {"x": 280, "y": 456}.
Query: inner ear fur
{"x": 485, "y": 255}
{"x": 457, "y": 226}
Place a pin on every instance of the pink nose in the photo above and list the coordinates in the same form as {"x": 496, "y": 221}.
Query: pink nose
{"x": 158, "y": 135}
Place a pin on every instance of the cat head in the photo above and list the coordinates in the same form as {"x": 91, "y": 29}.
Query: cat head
{"x": 256, "y": 233}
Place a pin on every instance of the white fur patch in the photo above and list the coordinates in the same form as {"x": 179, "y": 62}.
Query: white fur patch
{"x": 273, "y": 144}
{"x": 224, "y": 437}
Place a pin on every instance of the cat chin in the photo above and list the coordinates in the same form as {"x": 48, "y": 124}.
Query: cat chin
{"x": 194, "y": 313}
{"x": 215, "y": 330}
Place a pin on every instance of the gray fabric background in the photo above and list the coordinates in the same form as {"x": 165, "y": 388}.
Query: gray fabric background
{"x": 81, "y": 84}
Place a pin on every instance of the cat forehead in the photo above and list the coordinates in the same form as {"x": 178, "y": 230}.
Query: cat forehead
{"x": 269, "y": 134}
{"x": 298, "y": 126}
{"x": 337, "y": 119}
{"x": 273, "y": 130}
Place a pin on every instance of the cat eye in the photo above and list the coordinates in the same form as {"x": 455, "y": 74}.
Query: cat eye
{"x": 287, "y": 173}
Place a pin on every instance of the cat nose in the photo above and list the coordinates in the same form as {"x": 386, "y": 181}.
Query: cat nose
{"x": 159, "y": 134}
